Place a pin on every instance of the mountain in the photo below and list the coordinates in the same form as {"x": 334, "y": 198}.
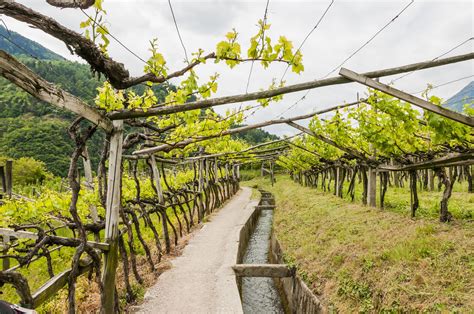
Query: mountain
{"x": 17, "y": 45}
{"x": 464, "y": 96}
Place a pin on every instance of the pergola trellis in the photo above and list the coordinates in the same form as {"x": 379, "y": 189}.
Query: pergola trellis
{"x": 112, "y": 124}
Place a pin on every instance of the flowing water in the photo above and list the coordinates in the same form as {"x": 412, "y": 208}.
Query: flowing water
{"x": 259, "y": 294}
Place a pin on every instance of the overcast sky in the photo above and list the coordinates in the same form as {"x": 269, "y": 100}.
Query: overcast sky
{"x": 424, "y": 31}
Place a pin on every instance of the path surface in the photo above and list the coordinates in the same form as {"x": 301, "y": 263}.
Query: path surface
{"x": 201, "y": 279}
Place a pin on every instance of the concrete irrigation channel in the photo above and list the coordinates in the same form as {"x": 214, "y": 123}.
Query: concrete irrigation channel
{"x": 225, "y": 267}
{"x": 266, "y": 284}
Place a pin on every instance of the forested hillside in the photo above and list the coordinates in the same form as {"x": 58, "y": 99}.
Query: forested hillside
{"x": 32, "y": 128}
{"x": 16, "y": 44}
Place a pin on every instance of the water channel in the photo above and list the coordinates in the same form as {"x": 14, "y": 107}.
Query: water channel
{"x": 259, "y": 294}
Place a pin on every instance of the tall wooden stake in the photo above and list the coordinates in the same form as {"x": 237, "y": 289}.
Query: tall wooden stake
{"x": 4, "y": 181}
{"x": 372, "y": 187}
{"x": 9, "y": 177}
{"x": 87, "y": 168}
{"x": 114, "y": 177}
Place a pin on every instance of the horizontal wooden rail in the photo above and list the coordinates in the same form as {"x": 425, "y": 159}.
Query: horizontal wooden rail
{"x": 265, "y": 207}
{"x": 52, "y": 286}
{"x": 451, "y": 159}
{"x": 31, "y": 235}
{"x": 161, "y": 109}
{"x": 263, "y": 270}
{"x": 18, "y": 234}
{"x": 452, "y": 115}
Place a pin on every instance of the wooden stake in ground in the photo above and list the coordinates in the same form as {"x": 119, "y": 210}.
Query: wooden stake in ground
{"x": 112, "y": 217}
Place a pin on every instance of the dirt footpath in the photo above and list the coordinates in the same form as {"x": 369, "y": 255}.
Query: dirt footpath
{"x": 201, "y": 280}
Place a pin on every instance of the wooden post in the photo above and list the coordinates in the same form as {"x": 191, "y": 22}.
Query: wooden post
{"x": 338, "y": 178}
{"x": 9, "y": 177}
{"x": 161, "y": 201}
{"x": 201, "y": 175}
{"x": 4, "y": 182}
{"x": 272, "y": 178}
{"x": 238, "y": 171}
{"x": 87, "y": 169}
{"x": 430, "y": 180}
{"x": 372, "y": 187}
{"x": 216, "y": 174}
{"x": 262, "y": 173}
{"x": 90, "y": 185}
{"x": 6, "y": 261}
{"x": 157, "y": 176}
{"x": 207, "y": 172}
{"x": 113, "y": 204}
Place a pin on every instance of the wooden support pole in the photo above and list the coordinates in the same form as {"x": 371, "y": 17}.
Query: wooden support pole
{"x": 161, "y": 201}
{"x": 113, "y": 204}
{"x": 157, "y": 177}
{"x": 372, "y": 187}
{"x": 263, "y": 270}
{"x": 272, "y": 177}
{"x": 430, "y": 180}
{"x": 6, "y": 260}
{"x": 452, "y": 115}
{"x": 90, "y": 185}
{"x": 201, "y": 175}
{"x": 86, "y": 161}
{"x": 216, "y": 173}
{"x": 4, "y": 181}
{"x": 207, "y": 175}
{"x": 9, "y": 177}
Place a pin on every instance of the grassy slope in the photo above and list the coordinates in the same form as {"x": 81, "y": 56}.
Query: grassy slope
{"x": 365, "y": 259}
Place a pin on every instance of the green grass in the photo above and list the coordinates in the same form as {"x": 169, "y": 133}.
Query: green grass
{"x": 364, "y": 259}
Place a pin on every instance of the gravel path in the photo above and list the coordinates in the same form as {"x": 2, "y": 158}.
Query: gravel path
{"x": 201, "y": 279}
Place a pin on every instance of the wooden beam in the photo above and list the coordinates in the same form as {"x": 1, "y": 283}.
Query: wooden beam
{"x": 263, "y": 270}
{"x": 20, "y": 75}
{"x": 184, "y": 143}
{"x": 303, "y": 148}
{"x": 326, "y": 140}
{"x": 34, "y": 236}
{"x": 452, "y": 115}
{"x": 265, "y": 206}
{"x": 18, "y": 234}
{"x": 163, "y": 109}
{"x": 244, "y": 150}
{"x": 448, "y": 160}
